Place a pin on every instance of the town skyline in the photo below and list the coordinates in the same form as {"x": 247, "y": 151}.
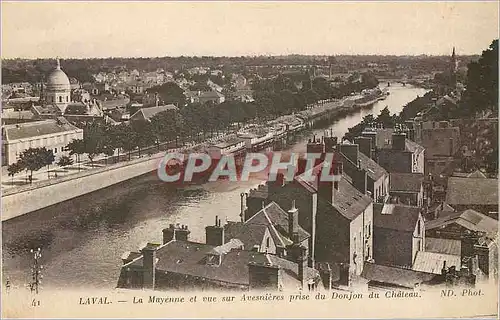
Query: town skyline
{"x": 244, "y": 29}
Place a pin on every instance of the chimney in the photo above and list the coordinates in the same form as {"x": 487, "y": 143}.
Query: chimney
{"x": 350, "y": 151}
{"x": 365, "y": 146}
{"x": 176, "y": 232}
{"x": 399, "y": 141}
{"x": 149, "y": 266}
{"x": 215, "y": 234}
{"x": 243, "y": 197}
{"x": 315, "y": 146}
{"x": 302, "y": 262}
{"x": 293, "y": 220}
{"x": 330, "y": 143}
{"x": 168, "y": 233}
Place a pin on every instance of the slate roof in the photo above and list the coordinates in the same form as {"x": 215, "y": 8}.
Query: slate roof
{"x": 250, "y": 234}
{"x": 395, "y": 276}
{"x": 469, "y": 219}
{"x": 432, "y": 262}
{"x": 446, "y": 246}
{"x": 400, "y": 217}
{"x": 467, "y": 191}
{"x": 349, "y": 202}
{"x": 148, "y": 113}
{"x": 406, "y": 182}
{"x": 184, "y": 257}
{"x": 373, "y": 169}
{"x": 29, "y": 130}
{"x": 276, "y": 219}
{"x": 211, "y": 95}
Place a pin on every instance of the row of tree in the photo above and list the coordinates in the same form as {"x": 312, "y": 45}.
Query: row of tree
{"x": 34, "y": 159}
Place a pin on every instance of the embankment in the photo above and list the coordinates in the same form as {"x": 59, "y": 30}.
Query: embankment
{"x": 19, "y": 201}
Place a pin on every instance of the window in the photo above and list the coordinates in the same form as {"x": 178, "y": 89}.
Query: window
{"x": 67, "y": 99}
{"x": 267, "y": 243}
{"x": 55, "y": 150}
{"x": 418, "y": 227}
{"x": 60, "y": 99}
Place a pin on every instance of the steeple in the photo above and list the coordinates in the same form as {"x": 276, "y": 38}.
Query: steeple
{"x": 453, "y": 61}
{"x": 58, "y": 67}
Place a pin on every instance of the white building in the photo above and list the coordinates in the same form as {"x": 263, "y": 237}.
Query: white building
{"x": 58, "y": 89}
{"x": 53, "y": 134}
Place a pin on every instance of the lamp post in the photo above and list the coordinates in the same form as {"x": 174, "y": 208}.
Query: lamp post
{"x": 36, "y": 271}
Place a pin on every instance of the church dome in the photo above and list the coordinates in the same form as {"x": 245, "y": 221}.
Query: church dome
{"x": 58, "y": 80}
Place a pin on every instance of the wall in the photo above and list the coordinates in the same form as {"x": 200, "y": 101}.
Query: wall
{"x": 392, "y": 247}
{"x": 361, "y": 240}
{"x": 50, "y": 192}
{"x": 418, "y": 238}
{"x": 395, "y": 161}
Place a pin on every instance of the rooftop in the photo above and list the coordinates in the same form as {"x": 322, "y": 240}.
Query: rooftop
{"x": 467, "y": 191}
{"x": 446, "y": 246}
{"x": 395, "y": 216}
{"x": 276, "y": 218}
{"x": 469, "y": 219}
{"x": 29, "y": 130}
{"x": 406, "y": 182}
{"x": 432, "y": 262}
{"x": 372, "y": 168}
{"x": 349, "y": 202}
{"x": 190, "y": 258}
{"x": 148, "y": 113}
{"x": 396, "y": 276}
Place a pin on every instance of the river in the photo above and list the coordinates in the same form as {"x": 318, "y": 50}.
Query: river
{"x": 83, "y": 239}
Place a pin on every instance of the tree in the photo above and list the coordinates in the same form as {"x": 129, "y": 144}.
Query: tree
{"x": 65, "y": 161}
{"x": 76, "y": 147}
{"x": 143, "y": 133}
{"x": 385, "y": 118}
{"x": 15, "y": 168}
{"x": 482, "y": 82}
{"x": 48, "y": 158}
{"x": 33, "y": 159}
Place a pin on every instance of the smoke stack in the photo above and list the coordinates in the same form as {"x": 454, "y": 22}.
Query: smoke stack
{"x": 293, "y": 220}
{"x": 149, "y": 266}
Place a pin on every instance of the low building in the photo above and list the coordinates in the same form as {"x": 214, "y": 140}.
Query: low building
{"x": 479, "y": 194}
{"x": 211, "y": 96}
{"x": 407, "y": 188}
{"x": 145, "y": 114}
{"x": 52, "y": 134}
{"x": 398, "y": 234}
{"x": 456, "y": 225}
{"x": 185, "y": 265}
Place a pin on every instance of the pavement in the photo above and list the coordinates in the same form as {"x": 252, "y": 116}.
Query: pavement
{"x": 55, "y": 172}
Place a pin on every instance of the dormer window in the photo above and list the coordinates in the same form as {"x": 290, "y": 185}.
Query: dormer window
{"x": 214, "y": 260}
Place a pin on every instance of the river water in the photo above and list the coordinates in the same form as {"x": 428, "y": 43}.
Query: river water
{"x": 83, "y": 239}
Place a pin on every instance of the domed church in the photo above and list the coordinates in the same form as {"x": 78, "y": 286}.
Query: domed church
{"x": 57, "y": 90}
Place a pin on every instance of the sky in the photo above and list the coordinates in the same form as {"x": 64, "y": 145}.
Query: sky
{"x": 152, "y": 29}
